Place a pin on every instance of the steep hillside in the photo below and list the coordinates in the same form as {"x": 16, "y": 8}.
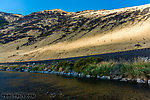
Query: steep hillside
{"x": 6, "y": 18}
{"x": 56, "y": 33}
{"x": 10, "y": 17}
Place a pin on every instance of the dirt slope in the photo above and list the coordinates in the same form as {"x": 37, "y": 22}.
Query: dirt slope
{"x": 55, "y": 33}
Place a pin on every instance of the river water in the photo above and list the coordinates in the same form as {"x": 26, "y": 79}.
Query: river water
{"x": 37, "y": 86}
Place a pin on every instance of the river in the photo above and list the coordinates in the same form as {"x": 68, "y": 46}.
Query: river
{"x": 37, "y": 86}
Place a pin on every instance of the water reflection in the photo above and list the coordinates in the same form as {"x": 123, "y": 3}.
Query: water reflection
{"x": 47, "y": 87}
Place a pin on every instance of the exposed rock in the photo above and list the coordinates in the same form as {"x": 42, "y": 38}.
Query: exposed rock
{"x": 149, "y": 81}
{"x": 124, "y": 79}
{"x": 140, "y": 80}
{"x": 105, "y": 77}
{"x": 88, "y": 76}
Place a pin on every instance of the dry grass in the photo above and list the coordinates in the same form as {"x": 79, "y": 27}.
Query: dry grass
{"x": 95, "y": 42}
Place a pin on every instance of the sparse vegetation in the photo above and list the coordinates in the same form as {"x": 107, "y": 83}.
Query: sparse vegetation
{"x": 17, "y": 48}
{"x": 45, "y": 34}
{"x": 78, "y": 11}
{"x": 3, "y": 22}
{"x": 2, "y": 25}
{"x": 138, "y": 45}
{"x": 54, "y": 27}
{"x": 75, "y": 28}
{"x": 94, "y": 66}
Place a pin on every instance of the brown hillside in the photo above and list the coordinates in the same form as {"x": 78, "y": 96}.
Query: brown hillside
{"x": 56, "y": 33}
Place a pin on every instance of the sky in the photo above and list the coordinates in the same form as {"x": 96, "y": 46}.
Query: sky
{"x": 26, "y": 7}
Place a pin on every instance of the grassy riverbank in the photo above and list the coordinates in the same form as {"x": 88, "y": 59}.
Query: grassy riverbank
{"x": 93, "y": 67}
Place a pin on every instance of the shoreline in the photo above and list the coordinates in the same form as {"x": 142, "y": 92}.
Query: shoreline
{"x": 80, "y": 75}
{"x": 92, "y": 67}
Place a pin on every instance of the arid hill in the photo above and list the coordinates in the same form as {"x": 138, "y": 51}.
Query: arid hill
{"x": 53, "y": 34}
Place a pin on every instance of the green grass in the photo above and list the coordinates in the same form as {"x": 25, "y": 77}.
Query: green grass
{"x": 82, "y": 63}
{"x": 136, "y": 70}
{"x": 95, "y": 66}
{"x": 64, "y": 65}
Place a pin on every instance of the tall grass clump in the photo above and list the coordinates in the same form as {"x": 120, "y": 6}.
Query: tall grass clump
{"x": 136, "y": 70}
{"x": 128, "y": 70}
{"x": 143, "y": 70}
{"x": 42, "y": 67}
{"x": 105, "y": 68}
{"x": 101, "y": 69}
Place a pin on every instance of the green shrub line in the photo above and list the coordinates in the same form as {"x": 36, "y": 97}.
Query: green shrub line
{"x": 95, "y": 67}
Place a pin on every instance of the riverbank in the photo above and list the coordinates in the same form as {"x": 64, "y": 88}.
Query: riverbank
{"x": 92, "y": 67}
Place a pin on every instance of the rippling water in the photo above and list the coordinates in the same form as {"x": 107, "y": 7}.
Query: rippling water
{"x": 51, "y": 87}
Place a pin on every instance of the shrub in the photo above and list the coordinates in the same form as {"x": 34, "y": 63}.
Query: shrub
{"x": 90, "y": 70}
{"x": 137, "y": 45}
{"x": 136, "y": 70}
{"x": 104, "y": 69}
{"x": 21, "y": 68}
{"x": 78, "y": 11}
{"x": 3, "y": 67}
{"x": 17, "y": 48}
{"x": 3, "y": 22}
{"x": 14, "y": 67}
{"x": 35, "y": 69}
{"x": 128, "y": 70}
{"x": 84, "y": 62}
{"x": 98, "y": 69}
{"x": 41, "y": 67}
{"x": 64, "y": 65}
{"x": 143, "y": 69}
{"x": 68, "y": 68}
{"x": 44, "y": 34}
{"x": 53, "y": 66}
